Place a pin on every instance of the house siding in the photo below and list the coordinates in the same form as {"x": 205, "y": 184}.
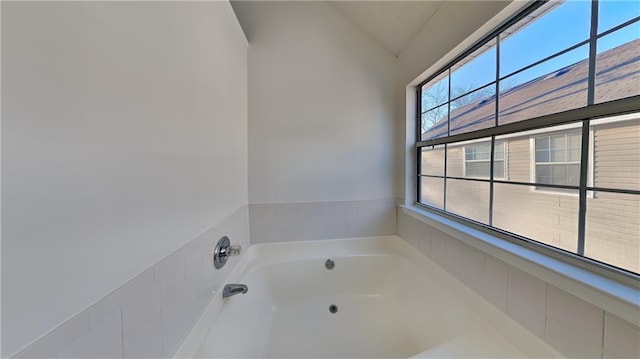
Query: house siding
{"x": 518, "y": 159}
{"x": 617, "y": 155}
{"x": 613, "y": 219}
{"x": 613, "y": 230}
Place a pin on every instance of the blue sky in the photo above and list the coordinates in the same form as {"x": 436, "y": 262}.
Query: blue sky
{"x": 563, "y": 27}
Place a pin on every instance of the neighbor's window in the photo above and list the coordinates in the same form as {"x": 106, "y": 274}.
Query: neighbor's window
{"x": 525, "y": 102}
{"x": 477, "y": 160}
{"x": 557, "y": 159}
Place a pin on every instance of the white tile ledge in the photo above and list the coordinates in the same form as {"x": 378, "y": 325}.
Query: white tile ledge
{"x": 614, "y": 297}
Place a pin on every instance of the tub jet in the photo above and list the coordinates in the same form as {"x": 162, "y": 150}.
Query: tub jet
{"x": 333, "y": 308}
{"x": 329, "y": 264}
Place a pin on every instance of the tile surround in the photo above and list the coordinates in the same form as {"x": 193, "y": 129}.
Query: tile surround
{"x": 569, "y": 343}
{"x": 585, "y": 319}
{"x": 277, "y": 222}
{"x": 59, "y": 339}
{"x": 150, "y": 315}
{"x": 526, "y": 300}
{"x": 472, "y": 267}
{"x": 575, "y": 328}
{"x": 495, "y": 282}
{"x": 104, "y": 340}
{"x": 621, "y": 338}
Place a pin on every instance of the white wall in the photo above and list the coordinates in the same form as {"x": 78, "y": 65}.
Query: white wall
{"x": 124, "y": 136}
{"x": 447, "y": 30}
{"x": 321, "y": 105}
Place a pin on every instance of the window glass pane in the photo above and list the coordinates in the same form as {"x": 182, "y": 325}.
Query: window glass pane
{"x": 473, "y": 111}
{"x": 499, "y": 150}
{"x": 573, "y": 174}
{"x": 543, "y": 216}
{"x": 613, "y": 229}
{"x": 574, "y": 144}
{"x": 618, "y": 64}
{"x": 478, "y": 169}
{"x": 556, "y": 85}
{"x": 574, "y": 154}
{"x": 558, "y": 141}
{"x": 553, "y": 27}
{"x": 615, "y": 152}
{"x": 432, "y": 160}
{"x": 468, "y": 199}
{"x": 432, "y": 191}
{"x": 498, "y": 170}
{"x": 478, "y": 151}
{"x": 469, "y": 153}
{"x": 542, "y": 156}
{"x": 435, "y": 92}
{"x": 615, "y": 12}
{"x": 434, "y": 123}
{"x": 542, "y": 144}
{"x": 559, "y": 155}
{"x": 543, "y": 174}
{"x": 575, "y": 140}
{"x": 476, "y": 70}
{"x": 558, "y": 174}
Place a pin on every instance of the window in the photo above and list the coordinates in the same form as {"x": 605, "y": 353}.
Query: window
{"x": 477, "y": 160}
{"x": 557, "y": 159}
{"x": 550, "y": 101}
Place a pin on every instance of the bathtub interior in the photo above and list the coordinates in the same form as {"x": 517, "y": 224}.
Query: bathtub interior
{"x": 388, "y": 306}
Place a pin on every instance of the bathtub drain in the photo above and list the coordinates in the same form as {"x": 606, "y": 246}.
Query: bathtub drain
{"x": 333, "y": 308}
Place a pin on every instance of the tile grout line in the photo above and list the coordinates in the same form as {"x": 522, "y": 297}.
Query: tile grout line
{"x": 506, "y": 309}
{"x": 546, "y": 310}
{"x": 602, "y": 343}
{"x": 122, "y": 331}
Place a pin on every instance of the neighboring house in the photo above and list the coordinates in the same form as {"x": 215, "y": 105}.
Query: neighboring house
{"x": 551, "y": 156}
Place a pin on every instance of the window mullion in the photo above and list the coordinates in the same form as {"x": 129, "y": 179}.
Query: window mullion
{"x": 584, "y": 156}
{"x": 444, "y": 191}
{"x": 418, "y": 139}
{"x": 491, "y": 168}
{"x": 493, "y": 138}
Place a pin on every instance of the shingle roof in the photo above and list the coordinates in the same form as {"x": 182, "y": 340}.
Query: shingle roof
{"x": 617, "y": 76}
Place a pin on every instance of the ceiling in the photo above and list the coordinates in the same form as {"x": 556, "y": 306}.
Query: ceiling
{"x": 392, "y": 23}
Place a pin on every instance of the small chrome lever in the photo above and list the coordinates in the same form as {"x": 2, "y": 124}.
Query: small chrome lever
{"x": 231, "y": 251}
{"x": 223, "y": 251}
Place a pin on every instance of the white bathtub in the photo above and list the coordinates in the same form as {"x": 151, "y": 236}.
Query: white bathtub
{"x": 392, "y": 302}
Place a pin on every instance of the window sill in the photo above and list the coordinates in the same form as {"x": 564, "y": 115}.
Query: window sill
{"x": 614, "y": 297}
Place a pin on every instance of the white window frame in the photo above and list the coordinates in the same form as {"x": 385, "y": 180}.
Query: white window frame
{"x": 534, "y": 163}
{"x": 532, "y": 159}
